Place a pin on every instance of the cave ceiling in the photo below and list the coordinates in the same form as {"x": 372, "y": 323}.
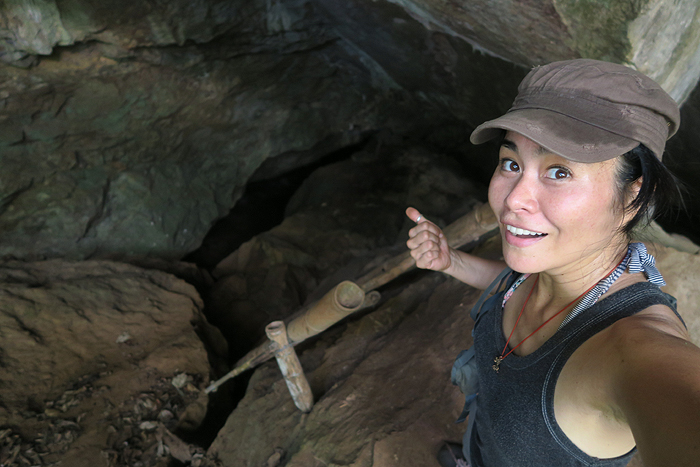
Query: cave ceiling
{"x": 128, "y": 128}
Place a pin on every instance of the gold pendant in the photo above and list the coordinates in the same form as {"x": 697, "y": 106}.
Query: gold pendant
{"x": 496, "y": 363}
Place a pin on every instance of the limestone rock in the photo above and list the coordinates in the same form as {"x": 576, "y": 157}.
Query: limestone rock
{"x": 38, "y": 27}
{"x": 106, "y": 159}
{"x": 681, "y": 272}
{"x": 383, "y": 396}
{"x": 345, "y": 217}
{"x": 83, "y": 342}
{"x": 659, "y": 37}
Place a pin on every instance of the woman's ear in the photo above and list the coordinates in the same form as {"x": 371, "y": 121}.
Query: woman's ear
{"x": 633, "y": 191}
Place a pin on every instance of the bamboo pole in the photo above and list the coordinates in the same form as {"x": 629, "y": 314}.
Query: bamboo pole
{"x": 290, "y": 366}
{"x": 344, "y": 299}
{"x": 266, "y": 350}
{"x": 464, "y": 230}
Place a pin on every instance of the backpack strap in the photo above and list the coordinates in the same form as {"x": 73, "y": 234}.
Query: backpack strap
{"x": 496, "y": 284}
{"x": 464, "y": 373}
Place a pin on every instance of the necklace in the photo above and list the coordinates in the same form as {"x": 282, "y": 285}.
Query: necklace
{"x": 499, "y": 358}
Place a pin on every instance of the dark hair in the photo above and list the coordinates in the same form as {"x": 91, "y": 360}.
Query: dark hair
{"x": 660, "y": 190}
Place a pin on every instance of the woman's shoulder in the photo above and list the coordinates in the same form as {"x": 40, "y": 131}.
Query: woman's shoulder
{"x": 652, "y": 322}
{"x": 656, "y": 318}
{"x": 651, "y": 326}
{"x": 643, "y": 346}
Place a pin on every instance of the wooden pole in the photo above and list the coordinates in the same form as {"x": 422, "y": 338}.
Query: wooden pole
{"x": 464, "y": 230}
{"x": 343, "y": 299}
{"x": 266, "y": 351}
{"x": 468, "y": 228}
{"x": 290, "y": 366}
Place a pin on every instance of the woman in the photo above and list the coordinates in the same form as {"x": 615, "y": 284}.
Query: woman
{"x": 581, "y": 359}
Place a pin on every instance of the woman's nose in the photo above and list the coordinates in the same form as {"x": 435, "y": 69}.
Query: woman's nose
{"x": 522, "y": 195}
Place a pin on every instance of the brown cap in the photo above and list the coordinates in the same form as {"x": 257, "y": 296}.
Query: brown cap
{"x": 588, "y": 111}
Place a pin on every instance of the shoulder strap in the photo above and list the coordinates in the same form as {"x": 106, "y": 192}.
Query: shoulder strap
{"x": 497, "y": 283}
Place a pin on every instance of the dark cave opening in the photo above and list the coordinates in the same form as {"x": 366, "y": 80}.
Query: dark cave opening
{"x": 260, "y": 208}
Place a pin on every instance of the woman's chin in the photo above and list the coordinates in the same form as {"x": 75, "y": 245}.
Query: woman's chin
{"x": 524, "y": 263}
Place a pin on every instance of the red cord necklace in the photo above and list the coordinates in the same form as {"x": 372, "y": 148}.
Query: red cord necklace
{"x": 497, "y": 361}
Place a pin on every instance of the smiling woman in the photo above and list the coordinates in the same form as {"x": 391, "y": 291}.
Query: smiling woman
{"x": 564, "y": 350}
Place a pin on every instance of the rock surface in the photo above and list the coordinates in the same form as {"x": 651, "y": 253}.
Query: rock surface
{"x": 382, "y": 390}
{"x": 138, "y": 159}
{"x": 660, "y": 37}
{"x": 344, "y": 217}
{"x": 90, "y": 352}
{"x": 140, "y": 124}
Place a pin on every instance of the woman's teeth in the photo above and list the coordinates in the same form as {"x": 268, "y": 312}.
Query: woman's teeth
{"x": 517, "y": 231}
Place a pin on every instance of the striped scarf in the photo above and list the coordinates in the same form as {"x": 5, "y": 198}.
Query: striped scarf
{"x": 636, "y": 260}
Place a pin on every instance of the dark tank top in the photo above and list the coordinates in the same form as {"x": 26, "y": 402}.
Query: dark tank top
{"x": 514, "y": 425}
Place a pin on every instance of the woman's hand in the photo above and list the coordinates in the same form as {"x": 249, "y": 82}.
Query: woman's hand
{"x": 427, "y": 243}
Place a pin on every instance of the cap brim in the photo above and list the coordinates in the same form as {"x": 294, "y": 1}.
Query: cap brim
{"x": 570, "y": 138}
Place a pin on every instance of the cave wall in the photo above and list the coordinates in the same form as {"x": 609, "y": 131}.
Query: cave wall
{"x": 112, "y": 151}
{"x": 128, "y": 128}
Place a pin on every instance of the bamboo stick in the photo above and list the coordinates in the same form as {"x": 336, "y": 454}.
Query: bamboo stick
{"x": 290, "y": 366}
{"x": 345, "y": 298}
{"x": 464, "y": 230}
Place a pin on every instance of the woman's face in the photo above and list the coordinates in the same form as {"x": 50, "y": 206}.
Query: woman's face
{"x": 555, "y": 215}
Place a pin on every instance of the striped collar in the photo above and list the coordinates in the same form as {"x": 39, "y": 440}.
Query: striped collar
{"x": 636, "y": 260}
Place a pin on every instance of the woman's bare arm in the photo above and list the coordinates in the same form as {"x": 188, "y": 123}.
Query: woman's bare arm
{"x": 657, "y": 388}
{"x": 430, "y": 250}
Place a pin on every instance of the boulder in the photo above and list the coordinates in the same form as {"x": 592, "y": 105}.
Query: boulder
{"x": 344, "y": 218}
{"x": 120, "y": 159}
{"x": 382, "y": 390}
{"x": 91, "y": 355}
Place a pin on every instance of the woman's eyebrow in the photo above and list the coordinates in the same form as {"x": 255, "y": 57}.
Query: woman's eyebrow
{"x": 508, "y": 144}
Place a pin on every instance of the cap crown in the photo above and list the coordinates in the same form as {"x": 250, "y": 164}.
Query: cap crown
{"x": 606, "y": 95}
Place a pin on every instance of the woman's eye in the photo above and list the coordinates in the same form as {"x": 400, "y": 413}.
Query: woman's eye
{"x": 558, "y": 173}
{"x": 509, "y": 165}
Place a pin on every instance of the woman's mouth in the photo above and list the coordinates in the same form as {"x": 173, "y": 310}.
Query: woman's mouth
{"x": 522, "y": 232}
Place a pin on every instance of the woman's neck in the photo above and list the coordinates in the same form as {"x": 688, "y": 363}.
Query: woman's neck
{"x": 556, "y": 288}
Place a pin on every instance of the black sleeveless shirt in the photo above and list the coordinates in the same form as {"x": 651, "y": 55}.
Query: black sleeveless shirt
{"x": 514, "y": 425}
